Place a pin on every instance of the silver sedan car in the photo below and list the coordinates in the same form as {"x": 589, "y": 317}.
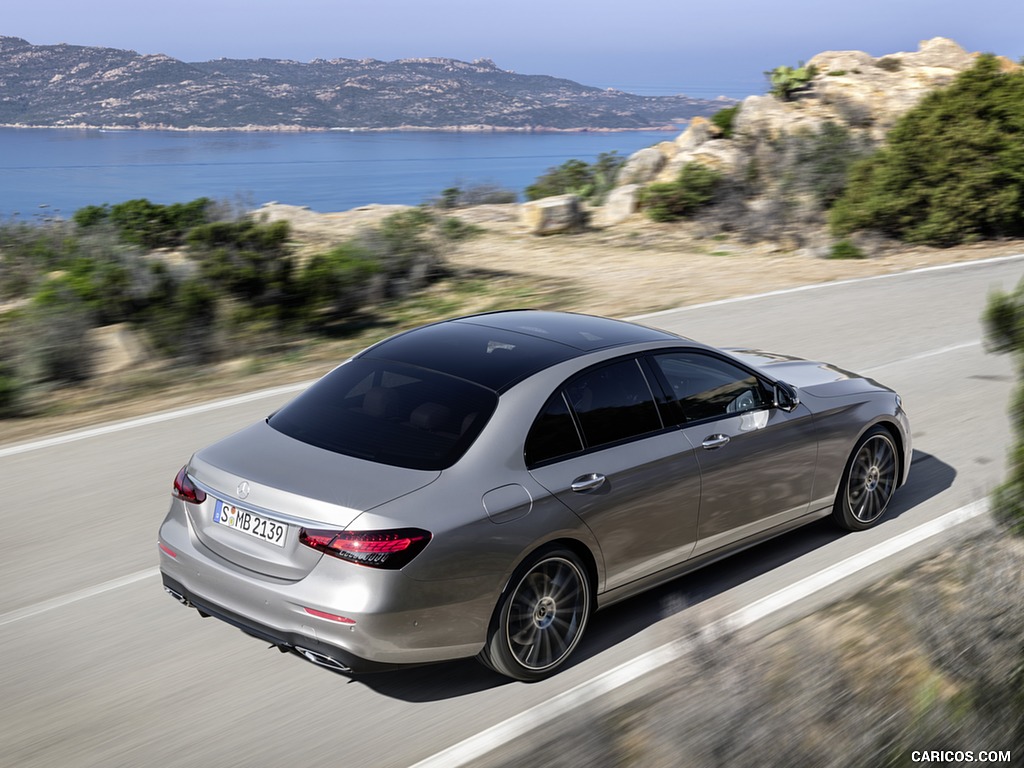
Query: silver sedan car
{"x": 479, "y": 486}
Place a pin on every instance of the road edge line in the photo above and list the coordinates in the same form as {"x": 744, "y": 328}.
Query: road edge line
{"x": 488, "y": 740}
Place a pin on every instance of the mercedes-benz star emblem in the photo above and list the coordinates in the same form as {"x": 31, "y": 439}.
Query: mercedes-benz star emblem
{"x": 243, "y": 489}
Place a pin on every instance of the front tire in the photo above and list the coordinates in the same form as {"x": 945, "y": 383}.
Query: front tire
{"x": 868, "y": 483}
{"x": 540, "y": 617}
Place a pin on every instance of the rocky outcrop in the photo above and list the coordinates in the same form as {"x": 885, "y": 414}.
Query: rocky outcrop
{"x": 550, "y": 215}
{"x": 854, "y": 97}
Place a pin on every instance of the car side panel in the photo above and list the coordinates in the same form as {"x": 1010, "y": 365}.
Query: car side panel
{"x": 760, "y": 479}
{"x": 644, "y": 515}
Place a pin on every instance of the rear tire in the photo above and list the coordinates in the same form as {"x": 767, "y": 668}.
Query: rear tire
{"x": 868, "y": 482}
{"x": 540, "y": 617}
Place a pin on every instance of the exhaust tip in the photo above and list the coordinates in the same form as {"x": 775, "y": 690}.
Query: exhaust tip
{"x": 322, "y": 660}
{"x": 177, "y": 596}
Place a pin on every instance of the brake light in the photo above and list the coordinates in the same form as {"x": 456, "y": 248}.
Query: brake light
{"x": 376, "y": 549}
{"x": 186, "y": 490}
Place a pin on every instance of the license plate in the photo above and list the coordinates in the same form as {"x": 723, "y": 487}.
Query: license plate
{"x": 249, "y": 522}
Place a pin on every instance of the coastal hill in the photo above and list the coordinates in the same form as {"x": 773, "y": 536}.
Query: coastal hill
{"x": 79, "y": 86}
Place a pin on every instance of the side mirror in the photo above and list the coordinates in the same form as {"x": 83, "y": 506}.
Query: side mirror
{"x": 786, "y": 398}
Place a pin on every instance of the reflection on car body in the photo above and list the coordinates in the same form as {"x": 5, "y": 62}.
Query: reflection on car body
{"x": 479, "y": 486}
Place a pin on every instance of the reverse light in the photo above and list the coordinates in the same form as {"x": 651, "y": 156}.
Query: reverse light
{"x": 376, "y": 549}
{"x": 186, "y": 490}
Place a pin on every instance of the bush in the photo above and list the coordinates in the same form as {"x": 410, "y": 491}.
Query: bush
{"x": 590, "y": 182}
{"x": 787, "y": 81}
{"x": 147, "y": 224}
{"x": 680, "y": 199}
{"x": 56, "y": 337}
{"x": 725, "y": 119}
{"x": 1004, "y": 333}
{"x": 10, "y": 392}
{"x": 844, "y": 249}
{"x": 478, "y": 194}
{"x": 334, "y": 283}
{"x": 953, "y": 168}
{"x": 184, "y": 323}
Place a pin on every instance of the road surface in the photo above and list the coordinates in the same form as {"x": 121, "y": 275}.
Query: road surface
{"x": 101, "y": 668}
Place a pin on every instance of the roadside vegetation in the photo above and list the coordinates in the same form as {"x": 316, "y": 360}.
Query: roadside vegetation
{"x": 1004, "y": 326}
{"x": 952, "y": 169}
{"x": 196, "y": 282}
{"x": 589, "y": 181}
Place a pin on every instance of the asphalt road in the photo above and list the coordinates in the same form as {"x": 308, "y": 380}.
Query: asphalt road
{"x": 98, "y": 667}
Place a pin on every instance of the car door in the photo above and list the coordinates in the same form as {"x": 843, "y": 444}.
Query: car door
{"x": 601, "y": 447}
{"x": 756, "y": 460}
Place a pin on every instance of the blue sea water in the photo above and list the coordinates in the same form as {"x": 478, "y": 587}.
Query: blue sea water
{"x": 55, "y": 172}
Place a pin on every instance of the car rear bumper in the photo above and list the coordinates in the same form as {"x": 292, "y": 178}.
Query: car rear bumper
{"x": 390, "y": 619}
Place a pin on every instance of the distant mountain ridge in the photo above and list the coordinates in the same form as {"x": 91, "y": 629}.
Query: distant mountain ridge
{"x": 69, "y": 86}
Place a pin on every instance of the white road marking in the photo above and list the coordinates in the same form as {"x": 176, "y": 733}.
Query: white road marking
{"x": 924, "y": 355}
{"x": 834, "y": 283}
{"x": 59, "y": 602}
{"x": 120, "y": 426}
{"x": 527, "y": 721}
{"x": 155, "y": 418}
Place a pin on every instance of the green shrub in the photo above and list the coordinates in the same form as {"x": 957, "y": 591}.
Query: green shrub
{"x": 694, "y": 189}
{"x": 1004, "y": 333}
{"x": 11, "y": 389}
{"x": 55, "y": 337}
{"x": 725, "y": 119}
{"x": 836, "y": 73}
{"x": 953, "y": 167}
{"x": 787, "y": 81}
{"x": 890, "y": 64}
{"x": 476, "y": 194}
{"x": 844, "y": 249}
{"x": 334, "y": 283}
{"x": 575, "y": 177}
{"x": 456, "y": 229}
{"x": 150, "y": 225}
{"x": 184, "y": 323}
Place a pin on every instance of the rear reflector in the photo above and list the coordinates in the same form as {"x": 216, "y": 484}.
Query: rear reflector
{"x": 331, "y": 616}
{"x": 167, "y": 550}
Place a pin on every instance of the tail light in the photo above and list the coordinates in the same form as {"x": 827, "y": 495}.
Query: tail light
{"x": 186, "y": 490}
{"x": 376, "y": 549}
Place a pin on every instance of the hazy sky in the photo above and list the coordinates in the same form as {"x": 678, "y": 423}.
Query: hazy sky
{"x": 701, "y": 48}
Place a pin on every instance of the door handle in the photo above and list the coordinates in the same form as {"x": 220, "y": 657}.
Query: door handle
{"x": 711, "y": 442}
{"x": 585, "y": 483}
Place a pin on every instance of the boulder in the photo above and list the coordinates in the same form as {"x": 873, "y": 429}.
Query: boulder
{"x": 699, "y": 131}
{"x": 621, "y": 203}
{"x": 550, "y": 215}
{"x": 720, "y": 154}
{"x": 641, "y": 166}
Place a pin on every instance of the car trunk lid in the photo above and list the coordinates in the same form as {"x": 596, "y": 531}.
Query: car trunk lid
{"x": 263, "y": 487}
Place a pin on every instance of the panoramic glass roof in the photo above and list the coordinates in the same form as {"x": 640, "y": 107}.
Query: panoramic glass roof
{"x": 501, "y": 348}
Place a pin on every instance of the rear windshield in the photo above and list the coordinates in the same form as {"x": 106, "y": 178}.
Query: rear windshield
{"x": 389, "y": 413}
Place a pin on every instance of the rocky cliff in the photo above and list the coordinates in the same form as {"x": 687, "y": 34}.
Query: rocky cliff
{"x": 68, "y": 85}
{"x": 780, "y": 153}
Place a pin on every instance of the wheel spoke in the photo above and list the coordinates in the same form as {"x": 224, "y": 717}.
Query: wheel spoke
{"x": 872, "y": 479}
{"x": 545, "y": 614}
